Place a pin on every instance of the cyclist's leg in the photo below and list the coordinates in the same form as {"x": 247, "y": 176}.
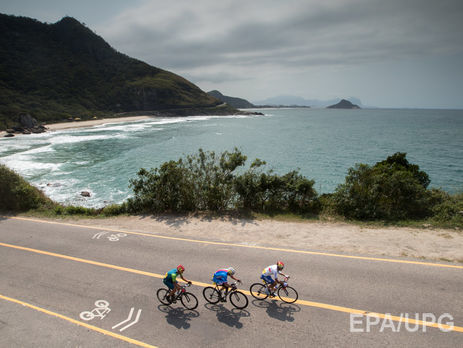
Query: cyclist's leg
{"x": 268, "y": 280}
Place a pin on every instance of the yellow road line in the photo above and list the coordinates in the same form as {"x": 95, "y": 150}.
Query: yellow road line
{"x": 91, "y": 327}
{"x": 301, "y": 302}
{"x": 245, "y": 246}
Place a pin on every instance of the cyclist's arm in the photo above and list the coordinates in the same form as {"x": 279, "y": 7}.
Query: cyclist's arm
{"x": 235, "y": 278}
{"x": 181, "y": 276}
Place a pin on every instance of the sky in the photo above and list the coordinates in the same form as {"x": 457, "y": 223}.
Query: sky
{"x": 387, "y": 53}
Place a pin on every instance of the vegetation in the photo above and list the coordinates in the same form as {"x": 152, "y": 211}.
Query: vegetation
{"x": 57, "y": 71}
{"x": 392, "y": 191}
{"x": 210, "y": 182}
{"x": 16, "y": 194}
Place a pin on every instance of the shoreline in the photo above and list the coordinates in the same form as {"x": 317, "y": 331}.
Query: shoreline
{"x": 92, "y": 123}
{"x": 86, "y": 123}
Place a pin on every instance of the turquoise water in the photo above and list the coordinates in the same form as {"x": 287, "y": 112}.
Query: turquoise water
{"x": 322, "y": 143}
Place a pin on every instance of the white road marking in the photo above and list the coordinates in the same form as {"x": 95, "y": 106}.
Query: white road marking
{"x": 128, "y": 319}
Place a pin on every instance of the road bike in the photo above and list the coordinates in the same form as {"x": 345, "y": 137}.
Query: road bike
{"x": 188, "y": 300}
{"x": 237, "y": 298}
{"x": 285, "y": 292}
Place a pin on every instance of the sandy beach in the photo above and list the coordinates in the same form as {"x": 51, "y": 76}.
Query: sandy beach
{"x": 427, "y": 243}
{"x": 88, "y": 123}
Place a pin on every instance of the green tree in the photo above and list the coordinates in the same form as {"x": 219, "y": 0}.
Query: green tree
{"x": 391, "y": 189}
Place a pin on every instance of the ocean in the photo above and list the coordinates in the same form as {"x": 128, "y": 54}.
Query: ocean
{"x": 321, "y": 143}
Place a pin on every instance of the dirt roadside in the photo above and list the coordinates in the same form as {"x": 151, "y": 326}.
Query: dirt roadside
{"x": 427, "y": 244}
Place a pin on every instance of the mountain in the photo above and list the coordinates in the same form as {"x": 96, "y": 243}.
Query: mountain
{"x": 344, "y": 104}
{"x": 232, "y": 101}
{"x": 289, "y": 100}
{"x": 61, "y": 70}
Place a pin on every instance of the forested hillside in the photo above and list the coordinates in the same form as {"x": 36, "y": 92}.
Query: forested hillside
{"x": 62, "y": 70}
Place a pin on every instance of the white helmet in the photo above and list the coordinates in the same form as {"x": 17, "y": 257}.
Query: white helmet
{"x": 231, "y": 270}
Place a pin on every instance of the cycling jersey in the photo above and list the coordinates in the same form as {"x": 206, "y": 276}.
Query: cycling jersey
{"x": 270, "y": 271}
{"x": 220, "y": 276}
{"x": 170, "y": 278}
{"x": 172, "y": 275}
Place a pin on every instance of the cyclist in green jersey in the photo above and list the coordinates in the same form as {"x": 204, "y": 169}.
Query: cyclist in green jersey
{"x": 170, "y": 279}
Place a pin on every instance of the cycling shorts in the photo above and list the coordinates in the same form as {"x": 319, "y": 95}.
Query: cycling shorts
{"x": 267, "y": 279}
{"x": 168, "y": 282}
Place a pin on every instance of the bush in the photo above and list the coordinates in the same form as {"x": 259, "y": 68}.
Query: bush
{"x": 201, "y": 182}
{"x": 208, "y": 182}
{"x": 267, "y": 192}
{"x": 16, "y": 194}
{"x": 392, "y": 189}
{"x": 448, "y": 208}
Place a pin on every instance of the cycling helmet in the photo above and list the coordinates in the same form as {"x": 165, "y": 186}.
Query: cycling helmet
{"x": 231, "y": 271}
{"x": 180, "y": 268}
{"x": 280, "y": 265}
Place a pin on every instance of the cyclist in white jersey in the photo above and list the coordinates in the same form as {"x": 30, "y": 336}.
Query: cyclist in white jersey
{"x": 270, "y": 271}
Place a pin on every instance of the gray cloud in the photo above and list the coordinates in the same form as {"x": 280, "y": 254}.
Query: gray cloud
{"x": 219, "y": 41}
{"x": 348, "y": 29}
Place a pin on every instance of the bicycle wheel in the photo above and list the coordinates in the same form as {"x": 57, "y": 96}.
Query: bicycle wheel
{"x": 287, "y": 294}
{"x": 258, "y": 291}
{"x": 102, "y": 304}
{"x": 189, "y": 301}
{"x": 211, "y": 295}
{"x": 238, "y": 299}
{"x": 87, "y": 315}
{"x": 163, "y": 296}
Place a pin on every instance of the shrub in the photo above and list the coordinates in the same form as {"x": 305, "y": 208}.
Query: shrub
{"x": 208, "y": 182}
{"x": 448, "y": 208}
{"x": 392, "y": 189}
{"x": 270, "y": 192}
{"x": 201, "y": 182}
{"x": 16, "y": 194}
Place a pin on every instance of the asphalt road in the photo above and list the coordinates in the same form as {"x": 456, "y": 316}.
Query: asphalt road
{"x": 51, "y": 273}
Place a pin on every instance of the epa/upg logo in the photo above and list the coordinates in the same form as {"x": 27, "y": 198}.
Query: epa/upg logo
{"x": 364, "y": 322}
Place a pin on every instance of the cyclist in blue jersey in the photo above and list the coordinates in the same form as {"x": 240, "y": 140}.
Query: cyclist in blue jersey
{"x": 220, "y": 278}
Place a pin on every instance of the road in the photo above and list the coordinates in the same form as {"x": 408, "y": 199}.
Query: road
{"x": 53, "y": 272}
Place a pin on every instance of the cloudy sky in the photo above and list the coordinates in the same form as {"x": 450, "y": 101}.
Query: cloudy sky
{"x": 387, "y": 53}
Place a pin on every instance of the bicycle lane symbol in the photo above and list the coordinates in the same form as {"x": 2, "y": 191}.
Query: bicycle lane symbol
{"x": 102, "y": 309}
{"x": 111, "y": 238}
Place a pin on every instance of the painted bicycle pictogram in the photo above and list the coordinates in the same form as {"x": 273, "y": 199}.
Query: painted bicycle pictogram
{"x": 102, "y": 309}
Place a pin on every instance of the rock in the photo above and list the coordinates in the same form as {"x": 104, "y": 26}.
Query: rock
{"x": 85, "y": 194}
{"x": 37, "y": 130}
{"x": 27, "y": 121}
{"x": 54, "y": 185}
{"x": 8, "y": 135}
{"x": 18, "y": 129}
{"x": 26, "y": 131}
{"x": 9, "y": 130}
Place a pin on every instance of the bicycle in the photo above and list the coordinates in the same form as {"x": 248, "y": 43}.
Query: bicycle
{"x": 189, "y": 301}
{"x": 285, "y": 292}
{"x": 237, "y": 298}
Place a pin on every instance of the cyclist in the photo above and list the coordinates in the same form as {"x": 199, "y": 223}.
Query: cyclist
{"x": 170, "y": 280}
{"x": 220, "y": 278}
{"x": 270, "y": 271}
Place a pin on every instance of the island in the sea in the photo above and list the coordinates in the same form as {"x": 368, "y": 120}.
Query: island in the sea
{"x": 343, "y": 104}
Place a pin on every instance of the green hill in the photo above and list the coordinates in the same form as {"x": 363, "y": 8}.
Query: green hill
{"x": 232, "y": 101}
{"x": 61, "y": 70}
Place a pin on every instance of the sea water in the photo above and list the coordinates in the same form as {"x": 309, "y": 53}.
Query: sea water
{"x": 321, "y": 143}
